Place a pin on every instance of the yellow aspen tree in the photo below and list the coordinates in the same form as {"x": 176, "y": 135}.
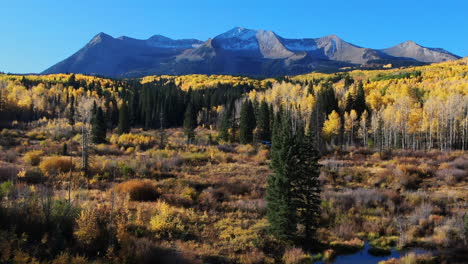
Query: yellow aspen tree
{"x": 332, "y": 126}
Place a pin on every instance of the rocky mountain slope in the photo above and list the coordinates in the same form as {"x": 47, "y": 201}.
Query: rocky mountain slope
{"x": 237, "y": 51}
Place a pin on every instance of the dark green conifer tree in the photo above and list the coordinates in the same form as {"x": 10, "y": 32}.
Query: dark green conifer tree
{"x": 71, "y": 111}
{"x": 280, "y": 205}
{"x": 293, "y": 191}
{"x": 124, "y": 125}
{"x": 190, "y": 122}
{"x": 360, "y": 104}
{"x": 98, "y": 127}
{"x": 225, "y": 123}
{"x": 246, "y": 123}
{"x": 264, "y": 121}
{"x": 306, "y": 187}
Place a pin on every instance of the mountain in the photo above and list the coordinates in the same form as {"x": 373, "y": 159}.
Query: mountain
{"x": 238, "y": 51}
{"x": 410, "y": 49}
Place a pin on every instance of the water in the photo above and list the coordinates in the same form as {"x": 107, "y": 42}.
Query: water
{"x": 363, "y": 256}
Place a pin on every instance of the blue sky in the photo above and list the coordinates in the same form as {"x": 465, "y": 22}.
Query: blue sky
{"x": 37, "y": 34}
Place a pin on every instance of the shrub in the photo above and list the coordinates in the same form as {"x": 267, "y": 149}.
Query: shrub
{"x": 8, "y": 171}
{"x": 413, "y": 258}
{"x": 253, "y": 257}
{"x": 261, "y": 157}
{"x": 54, "y": 165}
{"x": 382, "y": 246}
{"x": 166, "y": 223}
{"x": 239, "y": 234}
{"x": 352, "y": 245}
{"x": 6, "y": 188}
{"x": 296, "y": 256}
{"x": 329, "y": 254}
{"x": 246, "y": 150}
{"x": 32, "y": 175}
{"x": 91, "y": 230}
{"x": 139, "y": 190}
{"x": 132, "y": 140}
{"x": 195, "y": 158}
{"x": 105, "y": 149}
{"x": 33, "y": 157}
{"x": 37, "y": 135}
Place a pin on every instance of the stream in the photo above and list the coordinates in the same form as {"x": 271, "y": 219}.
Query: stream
{"x": 364, "y": 257}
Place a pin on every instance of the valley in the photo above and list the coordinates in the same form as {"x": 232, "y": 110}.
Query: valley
{"x": 214, "y": 168}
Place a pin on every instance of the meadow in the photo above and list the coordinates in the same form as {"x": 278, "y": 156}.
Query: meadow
{"x": 204, "y": 202}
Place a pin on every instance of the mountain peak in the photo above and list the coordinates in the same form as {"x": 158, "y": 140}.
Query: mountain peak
{"x": 101, "y": 36}
{"x": 410, "y": 49}
{"x": 410, "y": 43}
{"x": 159, "y": 38}
{"x": 238, "y": 32}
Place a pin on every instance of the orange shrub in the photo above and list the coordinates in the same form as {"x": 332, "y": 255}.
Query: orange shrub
{"x": 139, "y": 190}
{"x": 296, "y": 256}
{"x": 55, "y": 165}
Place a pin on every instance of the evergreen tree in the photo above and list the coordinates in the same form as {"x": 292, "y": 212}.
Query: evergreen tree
{"x": 306, "y": 187}
{"x": 124, "y": 125}
{"x": 280, "y": 205}
{"x": 263, "y": 125}
{"x": 190, "y": 122}
{"x": 360, "y": 104}
{"x": 225, "y": 123}
{"x": 65, "y": 149}
{"x": 293, "y": 192}
{"x": 246, "y": 123}
{"x": 71, "y": 111}
{"x": 98, "y": 129}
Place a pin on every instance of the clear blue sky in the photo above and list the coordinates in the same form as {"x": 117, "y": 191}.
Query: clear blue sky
{"x": 36, "y": 34}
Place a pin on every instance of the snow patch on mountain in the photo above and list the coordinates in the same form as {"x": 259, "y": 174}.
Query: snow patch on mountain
{"x": 238, "y": 39}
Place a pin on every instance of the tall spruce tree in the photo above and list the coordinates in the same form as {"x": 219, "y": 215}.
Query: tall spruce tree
{"x": 293, "y": 192}
{"x": 124, "y": 124}
{"x": 306, "y": 187}
{"x": 98, "y": 129}
{"x": 225, "y": 123}
{"x": 190, "y": 122}
{"x": 263, "y": 124}
{"x": 360, "y": 101}
{"x": 280, "y": 205}
{"x": 71, "y": 111}
{"x": 246, "y": 123}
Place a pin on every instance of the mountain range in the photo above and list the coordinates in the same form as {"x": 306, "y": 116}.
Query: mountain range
{"x": 239, "y": 51}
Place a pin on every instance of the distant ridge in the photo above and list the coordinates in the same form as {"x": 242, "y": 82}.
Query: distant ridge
{"x": 238, "y": 51}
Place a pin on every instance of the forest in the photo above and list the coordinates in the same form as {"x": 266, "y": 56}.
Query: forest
{"x": 233, "y": 169}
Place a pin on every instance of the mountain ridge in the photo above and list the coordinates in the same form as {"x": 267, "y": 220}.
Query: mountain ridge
{"x": 239, "y": 51}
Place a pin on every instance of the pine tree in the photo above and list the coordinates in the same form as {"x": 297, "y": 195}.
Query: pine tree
{"x": 71, "y": 111}
{"x": 360, "y": 102}
{"x": 98, "y": 127}
{"x": 124, "y": 125}
{"x": 306, "y": 187}
{"x": 263, "y": 125}
{"x": 293, "y": 192}
{"x": 247, "y": 123}
{"x": 280, "y": 207}
{"x": 190, "y": 122}
{"x": 224, "y": 125}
